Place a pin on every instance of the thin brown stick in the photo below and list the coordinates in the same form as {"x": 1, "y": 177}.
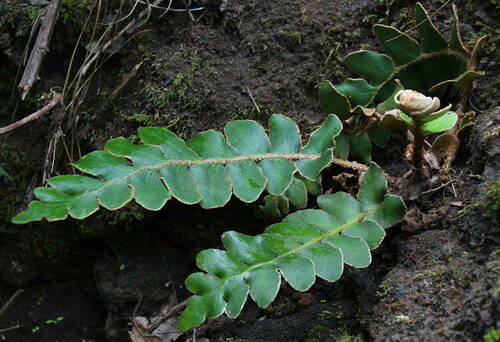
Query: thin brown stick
{"x": 10, "y": 301}
{"x": 439, "y": 187}
{"x": 163, "y": 316}
{"x": 33, "y": 116}
{"x": 253, "y": 100}
{"x": 40, "y": 48}
{"x": 114, "y": 95}
{"x": 13, "y": 90}
{"x": 99, "y": 49}
{"x": 188, "y": 10}
{"x": 14, "y": 327}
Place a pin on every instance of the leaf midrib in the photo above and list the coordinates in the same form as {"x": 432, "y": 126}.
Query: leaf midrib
{"x": 327, "y": 234}
{"x": 220, "y": 161}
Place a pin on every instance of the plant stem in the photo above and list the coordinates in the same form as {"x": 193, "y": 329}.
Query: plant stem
{"x": 461, "y": 110}
{"x": 418, "y": 146}
{"x": 10, "y": 301}
{"x": 55, "y": 100}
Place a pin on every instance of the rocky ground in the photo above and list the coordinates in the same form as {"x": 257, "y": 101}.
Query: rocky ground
{"x": 435, "y": 278}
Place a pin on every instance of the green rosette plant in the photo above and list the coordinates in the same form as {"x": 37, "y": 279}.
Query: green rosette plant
{"x": 305, "y": 245}
{"x": 436, "y": 66}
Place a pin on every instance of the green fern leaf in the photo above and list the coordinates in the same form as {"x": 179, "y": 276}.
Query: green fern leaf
{"x": 306, "y": 244}
{"x": 207, "y": 169}
{"x": 296, "y": 194}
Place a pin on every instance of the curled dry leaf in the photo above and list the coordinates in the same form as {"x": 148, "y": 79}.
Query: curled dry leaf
{"x": 165, "y": 332}
{"x": 445, "y": 145}
{"x": 415, "y": 220}
{"x": 414, "y": 103}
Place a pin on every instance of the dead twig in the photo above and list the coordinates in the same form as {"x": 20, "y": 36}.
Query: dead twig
{"x": 439, "y": 187}
{"x": 253, "y": 100}
{"x": 14, "y": 327}
{"x": 121, "y": 86}
{"x": 10, "y": 301}
{"x": 188, "y": 10}
{"x": 158, "y": 320}
{"x": 30, "y": 75}
{"x": 34, "y": 116}
{"x": 132, "y": 25}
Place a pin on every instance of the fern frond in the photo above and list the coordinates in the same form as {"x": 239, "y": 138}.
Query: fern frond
{"x": 207, "y": 169}
{"x": 306, "y": 244}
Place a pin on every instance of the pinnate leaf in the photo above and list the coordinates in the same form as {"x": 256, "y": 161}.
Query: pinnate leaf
{"x": 306, "y": 244}
{"x": 207, "y": 169}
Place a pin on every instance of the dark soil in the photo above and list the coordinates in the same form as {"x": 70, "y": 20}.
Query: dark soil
{"x": 435, "y": 278}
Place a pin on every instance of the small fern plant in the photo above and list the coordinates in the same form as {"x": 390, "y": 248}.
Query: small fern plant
{"x": 435, "y": 66}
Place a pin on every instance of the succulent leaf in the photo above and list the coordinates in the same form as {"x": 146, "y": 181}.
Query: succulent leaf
{"x": 207, "y": 169}
{"x": 401, "y": 48}
{"x": 393, "y": 122}
{"x": 456, "y": 41}
{"x": 334, "y": 101}
{"x": 358, "y": 91}
{"x": 374, "y": 66}
{"x": 440, "y": 124}
{"x": 306, "y": 244}
{"x": 379, "y": 136}
{"x": 342, "y": 146}
{"x": 432, "y": 39}
{"x": 296, "y": 195}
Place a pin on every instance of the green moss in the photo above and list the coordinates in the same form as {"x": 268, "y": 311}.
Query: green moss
{"x": 346, "y": 338}
{"x": 314, "y": 334}
{"x": 32, "y": 12}
{"x": 179, "y": 91}
{"x": 492, "y": 336}
{"x": 12, "y": 187}
{"x": 335, "y": 333}
{"x": 491, "y": 206}
{"x": 74, "y": 11}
